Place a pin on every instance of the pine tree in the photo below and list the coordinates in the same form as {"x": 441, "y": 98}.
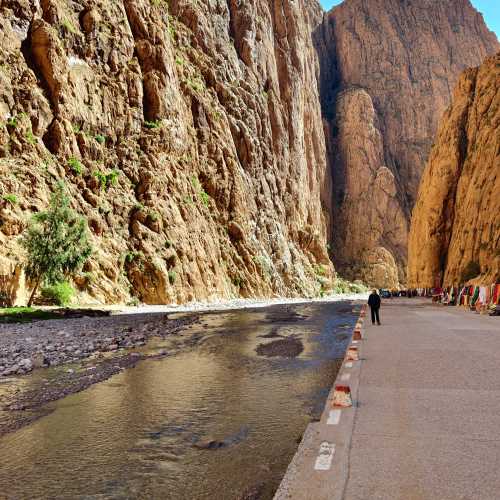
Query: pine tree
{"x": 56, "y": 242}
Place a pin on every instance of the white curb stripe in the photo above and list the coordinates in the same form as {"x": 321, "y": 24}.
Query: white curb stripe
{"x": 334, "y": 417}
{"x": 345, "y": 377}
{"x": 325, "y": 456}
{"x": 348, "y": 364}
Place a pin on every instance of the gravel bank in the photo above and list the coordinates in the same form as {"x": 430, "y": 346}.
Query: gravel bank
{"x": 24, "y": 347}
{"x": 225, "y": 305}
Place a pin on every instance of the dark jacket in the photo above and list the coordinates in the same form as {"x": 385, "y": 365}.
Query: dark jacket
{"x": 374, "y": 301}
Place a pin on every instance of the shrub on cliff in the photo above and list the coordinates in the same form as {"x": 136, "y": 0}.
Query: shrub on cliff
{"x": 344, "y": 286}
{"x": 56, "y": 243}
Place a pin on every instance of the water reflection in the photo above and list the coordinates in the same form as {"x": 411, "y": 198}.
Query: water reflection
{"x": 137, "y": 434}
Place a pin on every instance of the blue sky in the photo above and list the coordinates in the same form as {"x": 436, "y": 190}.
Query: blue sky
{"x": 489, "y": 8}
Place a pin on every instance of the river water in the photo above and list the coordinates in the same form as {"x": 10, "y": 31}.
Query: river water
{"x": 142, "y": 433}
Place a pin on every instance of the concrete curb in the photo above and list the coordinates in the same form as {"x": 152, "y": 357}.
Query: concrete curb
{"x": 320, "y": 468}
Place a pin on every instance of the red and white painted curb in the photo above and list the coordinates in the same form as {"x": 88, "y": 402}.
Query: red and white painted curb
{"x": 342, "y": 399}
{"x": 325, "y": 456}
{"x": 352, "y": 353}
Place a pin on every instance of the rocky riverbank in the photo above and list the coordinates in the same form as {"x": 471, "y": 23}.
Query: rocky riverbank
{"x": 24, "y": 347}
{"x": 93, "y": 348}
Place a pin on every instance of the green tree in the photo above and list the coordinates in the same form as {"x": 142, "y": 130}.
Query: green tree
{"x": 56, "y": 242}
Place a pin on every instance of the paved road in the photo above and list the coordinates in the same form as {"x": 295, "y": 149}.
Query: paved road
{"x": 426, "y": 419}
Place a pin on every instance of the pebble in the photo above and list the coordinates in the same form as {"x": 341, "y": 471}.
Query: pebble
{"x": 26, "y": 364}
{"x": 25, "y": 347}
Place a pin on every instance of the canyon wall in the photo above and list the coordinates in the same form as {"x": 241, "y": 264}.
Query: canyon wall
{"x": 455, "y": 231}
{"x": 388, "y": 68}
{"x": 188, "y": 133}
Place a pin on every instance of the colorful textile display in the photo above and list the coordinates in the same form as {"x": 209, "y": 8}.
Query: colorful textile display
{"x": 475, "y": 296}
{"x": 482, "y": 295}
{"x": 496, "y": 295}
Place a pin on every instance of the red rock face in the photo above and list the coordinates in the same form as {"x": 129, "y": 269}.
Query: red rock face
{"x": 189, "y": 134}
{"x": 387, "y": 71}
{"x": 455, "y": 231}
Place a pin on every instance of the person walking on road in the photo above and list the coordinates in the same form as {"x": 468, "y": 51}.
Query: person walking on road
{"x": 374, "y": 303}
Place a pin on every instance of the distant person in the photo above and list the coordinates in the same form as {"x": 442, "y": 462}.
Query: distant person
{"x": 374, "y": 303}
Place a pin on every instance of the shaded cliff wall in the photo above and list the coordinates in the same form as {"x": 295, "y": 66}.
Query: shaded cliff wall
{"x": 189, "y": 134}
{"x": 455, "y": 231}
{"x": 388, "y": 68}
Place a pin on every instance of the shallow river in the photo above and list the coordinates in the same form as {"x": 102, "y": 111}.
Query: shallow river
{"x": 138, "y": 435}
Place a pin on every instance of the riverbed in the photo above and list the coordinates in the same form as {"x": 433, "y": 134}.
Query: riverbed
{"x": 219, "y": 417}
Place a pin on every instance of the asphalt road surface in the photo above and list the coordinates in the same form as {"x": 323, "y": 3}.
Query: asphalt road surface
{"x": 425, "y": 423}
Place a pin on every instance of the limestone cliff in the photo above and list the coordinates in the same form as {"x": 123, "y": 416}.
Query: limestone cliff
{"x": 455, "y": 231}
{"x": 188, "y": 133}
{"x": 388, "y": 68}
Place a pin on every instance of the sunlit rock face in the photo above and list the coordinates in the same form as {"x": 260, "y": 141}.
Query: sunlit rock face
{"x": 388, "y": 68}
{"x": 455, "y": 231}
{"x": 192, "y": 137}
{"x": 189, "y": 134}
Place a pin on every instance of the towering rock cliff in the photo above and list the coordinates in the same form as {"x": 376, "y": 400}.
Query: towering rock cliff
{"x": 455, "y": 231}
{"x": 388, "y": 68}
{"x": 188, "y": 133}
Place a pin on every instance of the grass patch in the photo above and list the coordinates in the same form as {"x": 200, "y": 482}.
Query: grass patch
{"x": 132, "y": 256}
{"x": 202, "y": 194}
{"x": 75, "y": 166}
{"x": 171, "y": 32}
{"x": 31, "y": 138}
{"x": 154, "y": 216}
{"x": 25, "y": 315}
{"x": 60, "y": 294}
{"x": 12, "y": 122}
{"x": 196, "y": 84}
{"x": 10, "y": 198}
{"x": 68, "y": 26}
{"x": 152, "y": 124}
{"x": 343, "y": 286}
{"x": 107, "y": 180}
{"x": 319, "y": 270}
